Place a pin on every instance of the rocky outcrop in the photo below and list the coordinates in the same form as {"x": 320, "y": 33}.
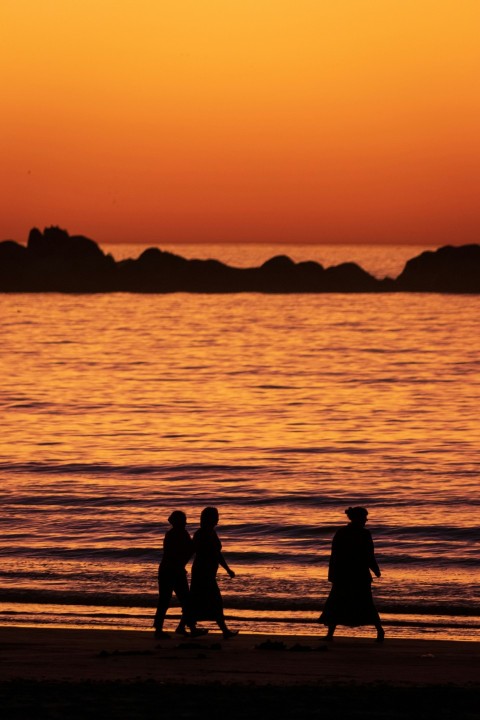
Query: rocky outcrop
{"x": 447, "y": 270}
{"x": 54, "y": 261}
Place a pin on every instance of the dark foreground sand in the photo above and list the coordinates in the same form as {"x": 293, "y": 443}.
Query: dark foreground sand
{"x": 73, "y": 674}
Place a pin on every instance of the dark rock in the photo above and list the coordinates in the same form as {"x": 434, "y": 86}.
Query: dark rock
{"x": 14, "y": 266}
{"x": 349, "y": 277}
{"x": 448, "y": 269}
{"x": 158, "y": 271}
{"x": 67, "y": 263}
{"x": 55, "y": 261}
{"x": 161, "y": 260}
{"x": 57, "y": 243}
{"x": 279, "y": 263}
{"x": 12, "y": 253}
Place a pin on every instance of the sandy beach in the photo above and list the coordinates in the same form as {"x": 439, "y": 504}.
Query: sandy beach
{"x": 131, "y": 674}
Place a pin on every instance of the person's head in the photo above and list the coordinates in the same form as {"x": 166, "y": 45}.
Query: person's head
{"x": 357, "y": 515}
{"x": 209, "y": 517}
{"x": 178, "y": 518}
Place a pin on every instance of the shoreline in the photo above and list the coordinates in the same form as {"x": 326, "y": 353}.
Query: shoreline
{"x": 294, "y": 622}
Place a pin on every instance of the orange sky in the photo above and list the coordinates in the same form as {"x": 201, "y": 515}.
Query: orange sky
{"x": 241, "y": 120}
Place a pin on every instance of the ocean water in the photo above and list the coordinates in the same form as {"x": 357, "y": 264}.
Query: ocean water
{"x": 280, "y": 410}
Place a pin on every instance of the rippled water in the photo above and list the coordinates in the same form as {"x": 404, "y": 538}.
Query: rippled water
{"x": 280, "y": 410}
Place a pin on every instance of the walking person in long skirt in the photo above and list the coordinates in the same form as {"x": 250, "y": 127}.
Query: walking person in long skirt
{"x": 350, "y": 601}
{"x": 205, "y": 596}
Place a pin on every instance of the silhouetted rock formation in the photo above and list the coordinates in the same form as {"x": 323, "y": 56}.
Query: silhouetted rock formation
{"x": 54, "y": 261}
{"x": 448, "y": 269}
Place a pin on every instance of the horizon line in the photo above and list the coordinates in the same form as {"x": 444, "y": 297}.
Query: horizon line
{"x": 289, "y": 243}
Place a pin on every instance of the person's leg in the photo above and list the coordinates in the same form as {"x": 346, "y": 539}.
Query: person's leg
{"x": 380, "y": 632}
{"x": 182, "y": 592}
{"x": 181, "y": 628}
{"x": 183, "y": 595}
{"x": 377, "y": 624}
{"x": 165, "y": 590}
{"x": 227, "y": 633}
{"x": 330, "y": 632}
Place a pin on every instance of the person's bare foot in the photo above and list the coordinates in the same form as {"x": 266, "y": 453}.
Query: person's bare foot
{"x": 230, "y": 634}
{"x": 181, "y": 630}
{"x": 161, "y": 634}
{"x": 198, "y": 632}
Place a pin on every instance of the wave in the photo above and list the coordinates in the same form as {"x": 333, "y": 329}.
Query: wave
{"x": 298, "y": 532}
{"x": 324, "y": 450}
{"x": 286, "y": 556}
{"x": 73, "y": 616}
{"x": 441, "y": 533}
{"x": 146, "y": 600}
{"x": 112, "y": 469}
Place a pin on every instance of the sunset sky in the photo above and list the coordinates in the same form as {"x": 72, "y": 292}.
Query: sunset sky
{"x": 241, "y": 120}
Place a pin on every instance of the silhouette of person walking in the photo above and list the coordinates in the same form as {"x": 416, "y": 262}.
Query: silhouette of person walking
{"x": 350, "y": 601}
{"x": 206, "y": 599}
{"x": 172, "y": 576}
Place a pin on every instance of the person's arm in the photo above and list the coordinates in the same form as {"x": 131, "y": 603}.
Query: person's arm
{"x": 332, "y": 563}
{"x": 167, "y": 542}
{"x": 189, "y": 548}
{"x": 225, "y": 566}
{"x": 372, "y": 563}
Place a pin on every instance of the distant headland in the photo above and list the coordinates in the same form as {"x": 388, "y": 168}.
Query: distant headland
{"x": 54, "y": 261}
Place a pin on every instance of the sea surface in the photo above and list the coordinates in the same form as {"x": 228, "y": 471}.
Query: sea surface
{"x": 280, "y": 410}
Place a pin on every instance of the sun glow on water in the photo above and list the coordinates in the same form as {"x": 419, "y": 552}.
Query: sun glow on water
{"x": 282, "y": 410}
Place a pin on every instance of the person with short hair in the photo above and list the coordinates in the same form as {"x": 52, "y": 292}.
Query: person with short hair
{"x": 172, "y": 575}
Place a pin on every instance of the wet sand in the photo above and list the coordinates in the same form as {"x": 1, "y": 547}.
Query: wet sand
{"x": 89, "y": 673}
